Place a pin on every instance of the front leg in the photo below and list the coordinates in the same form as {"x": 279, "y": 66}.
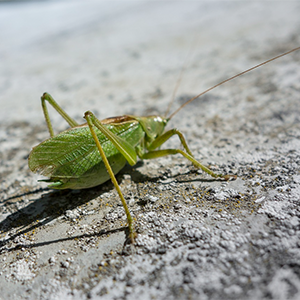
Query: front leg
{"x": 165, "y": 136}
{"x": 159, "y": 153}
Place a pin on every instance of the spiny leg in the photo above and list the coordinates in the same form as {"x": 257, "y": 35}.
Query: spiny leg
{"x": 91, "y": 122}
{"x": 167, "y": 135}
{"x": 159, "y": 153}
{"x": 47, "y": 97}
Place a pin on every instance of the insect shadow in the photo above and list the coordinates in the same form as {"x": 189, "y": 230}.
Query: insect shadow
{"x": 47, "y": 207}
{"x": 54, "y": 204}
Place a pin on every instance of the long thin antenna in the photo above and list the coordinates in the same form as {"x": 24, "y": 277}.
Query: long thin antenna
{"x": 175, "y": 89}
{"x": 228, "y": 79}
{"x": 179, "y": 78}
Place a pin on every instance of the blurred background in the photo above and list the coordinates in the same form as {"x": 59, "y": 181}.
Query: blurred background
{"x": 92, "y": 53}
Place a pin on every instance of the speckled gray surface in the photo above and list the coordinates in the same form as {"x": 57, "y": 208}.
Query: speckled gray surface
{"x": 198, "y": 238}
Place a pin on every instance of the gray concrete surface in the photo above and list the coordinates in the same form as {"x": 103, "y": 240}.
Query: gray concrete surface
{"x": 198, "y": 238}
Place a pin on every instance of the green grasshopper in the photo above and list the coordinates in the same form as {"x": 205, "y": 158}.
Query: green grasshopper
{"x": 71, "y": 158}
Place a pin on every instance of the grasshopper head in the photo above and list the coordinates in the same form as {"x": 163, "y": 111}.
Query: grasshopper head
{"x": 156, "y": 125}
{"x": 153, "y": 125}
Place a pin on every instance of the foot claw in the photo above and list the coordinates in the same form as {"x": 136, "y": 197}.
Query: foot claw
{"x": 229, "y": 177}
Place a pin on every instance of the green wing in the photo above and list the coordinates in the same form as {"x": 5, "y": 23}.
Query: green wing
{"x": 72, "y": 154}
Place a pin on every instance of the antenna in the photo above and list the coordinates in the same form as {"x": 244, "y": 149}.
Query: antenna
{"x": 230, "y": 78}
{"x": 179, "y": 78}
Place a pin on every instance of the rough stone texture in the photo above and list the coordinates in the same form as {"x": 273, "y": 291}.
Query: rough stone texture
{"x": 198, "y": 238}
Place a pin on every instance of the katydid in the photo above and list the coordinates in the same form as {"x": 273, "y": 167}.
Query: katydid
{"x": 71, "y": 158}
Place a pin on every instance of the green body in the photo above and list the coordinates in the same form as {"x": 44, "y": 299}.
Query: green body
{"x": 71, "y": 159}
